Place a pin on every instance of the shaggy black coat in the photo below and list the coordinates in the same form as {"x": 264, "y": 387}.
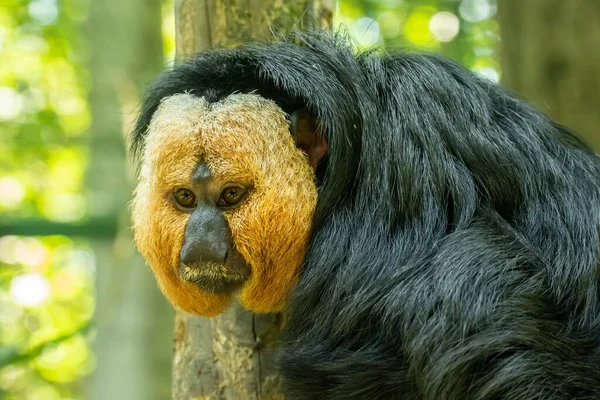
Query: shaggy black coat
{"x": 455, "y": 251}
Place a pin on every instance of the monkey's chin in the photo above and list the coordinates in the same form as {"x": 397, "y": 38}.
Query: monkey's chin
{"x": 214, "y": 278}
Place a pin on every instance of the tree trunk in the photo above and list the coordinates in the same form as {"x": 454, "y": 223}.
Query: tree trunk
{"x": 232, "y": 356}
{"x": 134, "y": 321}
{"x": 551, "y": 56}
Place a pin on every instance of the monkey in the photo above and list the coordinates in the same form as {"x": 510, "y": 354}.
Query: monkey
{"x": 427, "y": 234}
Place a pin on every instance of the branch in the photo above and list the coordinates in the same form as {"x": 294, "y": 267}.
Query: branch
{"x": 12, "y": 355}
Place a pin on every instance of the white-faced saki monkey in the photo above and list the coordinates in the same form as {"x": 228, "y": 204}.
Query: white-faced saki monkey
{"x": 426, "y": 234}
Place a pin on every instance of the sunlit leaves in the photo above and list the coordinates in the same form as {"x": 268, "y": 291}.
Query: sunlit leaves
{"x": 65, "y": 362}
{"x": 46, "y": 283}
{"x": 46, "y": 293}
{"x": 43, "y": 109}
{"x": 50, "y": 187}
{"x": 416, "y": 28}
{"x": 461, "y": 29}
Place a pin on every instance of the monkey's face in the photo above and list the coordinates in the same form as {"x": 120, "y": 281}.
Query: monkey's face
{"x": 224, "y": 203}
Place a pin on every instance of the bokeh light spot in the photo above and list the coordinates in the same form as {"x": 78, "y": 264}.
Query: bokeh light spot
{"x": 29, "y": 290}
{"x": 9, "y": 311}
{"x": 31, "y": 252}
{"x": 64, "y": 207}
{"x": 65, "y": 286}
{"x": 7, "y": 249}
{"x": 444, "y": 26}
{"x": 81, "y": 264}
{"x": 366, "y": 31}
{"x": 390, "y": 23}
{"x": 477, "y": 10}
{"x": 44, "y": 12}
{"x": 11, "y": 103}
{"x": 12, "y": 192}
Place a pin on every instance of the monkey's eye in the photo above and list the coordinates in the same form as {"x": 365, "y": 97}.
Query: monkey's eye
{"x": 231, "y": 196}
{"x": 185, "y": 198}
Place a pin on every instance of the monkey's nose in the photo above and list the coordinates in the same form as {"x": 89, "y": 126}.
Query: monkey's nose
{"x": 201, "y": 253}
{"x": 207, "y": 237}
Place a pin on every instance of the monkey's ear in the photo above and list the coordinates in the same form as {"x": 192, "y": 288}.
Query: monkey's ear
{"x": 309, "y": 138}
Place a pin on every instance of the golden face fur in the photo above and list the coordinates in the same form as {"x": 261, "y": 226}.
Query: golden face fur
{"x": 244, "y": 139}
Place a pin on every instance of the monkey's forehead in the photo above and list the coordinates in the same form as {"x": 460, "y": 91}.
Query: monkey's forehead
{"x": 181, "y": 117}
{"x": 186, "y": 128}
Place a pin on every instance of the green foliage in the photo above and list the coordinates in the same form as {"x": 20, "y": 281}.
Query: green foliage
{"x": 46, "y": 283}
{"x": 43, "y": 109}
{"x": 461, "y": 29}
{"x": 46, "y": 298}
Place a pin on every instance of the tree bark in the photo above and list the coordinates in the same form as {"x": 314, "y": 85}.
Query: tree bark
{"x": 232, "y": 356}
{"x": 550, "y": 53}
{"x": 204, "y": 24}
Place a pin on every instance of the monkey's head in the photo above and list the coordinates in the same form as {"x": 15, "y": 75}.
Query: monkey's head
{"x": 229, "y": 145}
{"x": 225, "y": 201}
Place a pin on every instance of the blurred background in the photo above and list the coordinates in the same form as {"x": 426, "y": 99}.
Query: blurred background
{"x": 80, "y": 314}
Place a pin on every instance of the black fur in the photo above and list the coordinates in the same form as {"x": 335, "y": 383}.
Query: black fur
{"x": 456, "y": 246}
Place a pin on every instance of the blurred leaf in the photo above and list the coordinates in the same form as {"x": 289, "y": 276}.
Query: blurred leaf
{"x": 8, "y": 355}
{"x": 12, "y": 355}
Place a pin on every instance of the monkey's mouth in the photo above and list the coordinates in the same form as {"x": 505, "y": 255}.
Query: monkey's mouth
{"x": 215, "y": 277}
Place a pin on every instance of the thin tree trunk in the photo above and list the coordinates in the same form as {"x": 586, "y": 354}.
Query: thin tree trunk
{"x": 204, "y": 24}
{"x": 232, "y": 356}
{"x": 134, "y": 320}
{"x": 550, "y": 53}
